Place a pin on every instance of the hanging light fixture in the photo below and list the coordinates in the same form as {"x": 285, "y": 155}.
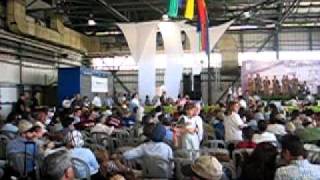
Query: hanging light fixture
{"x": 91, "y": 21}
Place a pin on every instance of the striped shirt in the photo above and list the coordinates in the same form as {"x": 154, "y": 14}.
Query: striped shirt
{"x": 299, "y": 170}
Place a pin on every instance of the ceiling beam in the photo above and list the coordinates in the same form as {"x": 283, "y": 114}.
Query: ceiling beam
{"x": 278, "y": 24}
{"x": 113, "y": 10}
{"x": 160, "y": 11}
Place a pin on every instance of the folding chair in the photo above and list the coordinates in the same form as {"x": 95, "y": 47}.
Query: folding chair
{"x": 123, "y": 134}
{"x": 9, "y": 134}
{"x": 85, "y": 134}
{"x": 313, "y": 156}
{"x": 155, "y": 167}
{"x": 4, "y": 140}
{"x": 215, "y": 144}
{"x": 222, "y": 155}
{"x": 178, "y": 164}
{"x": 103, "y": 139}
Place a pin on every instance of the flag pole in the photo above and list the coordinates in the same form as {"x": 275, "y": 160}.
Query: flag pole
{"x": 209, "y": 80}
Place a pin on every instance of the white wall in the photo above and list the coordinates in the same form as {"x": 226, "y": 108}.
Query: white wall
{"x": 9, "y": 73}
{"x": 38, "y": 76}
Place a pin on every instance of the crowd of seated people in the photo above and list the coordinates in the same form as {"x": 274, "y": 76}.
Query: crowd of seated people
{"x": 114, "y": 138}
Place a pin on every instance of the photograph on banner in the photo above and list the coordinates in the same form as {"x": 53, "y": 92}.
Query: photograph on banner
{"x": 280, "y": 78}
{"x": 99, "y": 84}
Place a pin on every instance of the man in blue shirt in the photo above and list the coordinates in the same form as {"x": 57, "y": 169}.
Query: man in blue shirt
{"x": 24, "y": 144}
{"x": 298, "y": 167}
{"x": 154, "y": 147}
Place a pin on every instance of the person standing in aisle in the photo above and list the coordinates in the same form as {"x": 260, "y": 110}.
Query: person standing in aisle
{"x": 233, "y": 123}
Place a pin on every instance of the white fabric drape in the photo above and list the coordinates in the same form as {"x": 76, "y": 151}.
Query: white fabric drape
{"x": 141, "y": 38}
{"x": 130, "y": 33}
{"x": 171, "y": 35}
{"x": 216, "y": 32}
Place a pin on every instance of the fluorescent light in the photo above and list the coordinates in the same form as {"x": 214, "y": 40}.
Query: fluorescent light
{"x": 247, "y": 14}
{"x": 91, "y": 22}
{"x": 243, "y": 27}
{"x": 165, "y": 17}
{"x": 108, "y": 33}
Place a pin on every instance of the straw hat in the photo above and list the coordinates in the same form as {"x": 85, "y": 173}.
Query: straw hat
{"x": 207, "y": 167}
{"x": 25, "y": 126}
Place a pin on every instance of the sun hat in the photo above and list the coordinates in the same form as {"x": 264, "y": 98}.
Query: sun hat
{"x": 25, "y": 126}
{"x": 101, "y": 128}
{"x": 207, "y": 167}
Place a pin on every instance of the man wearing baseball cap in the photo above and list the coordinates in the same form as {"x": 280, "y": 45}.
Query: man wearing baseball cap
{"x": 204, "y": 168}
{"x": 24, "y": 143}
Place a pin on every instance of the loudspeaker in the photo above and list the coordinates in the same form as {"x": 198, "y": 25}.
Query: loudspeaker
{"x": 187, "y": 84}
{"x": 197, "y": 93}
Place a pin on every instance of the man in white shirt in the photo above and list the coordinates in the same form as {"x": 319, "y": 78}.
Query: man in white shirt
{"x": 134, "y": 102}
{"x": 96, "y": 101}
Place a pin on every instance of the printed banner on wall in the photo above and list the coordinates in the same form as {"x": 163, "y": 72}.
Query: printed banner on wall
{"x": 99, "y": 85}
{"x": 280, "y": 77}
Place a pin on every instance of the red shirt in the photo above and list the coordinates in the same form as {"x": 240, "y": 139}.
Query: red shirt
{"x": 246, "y": 145}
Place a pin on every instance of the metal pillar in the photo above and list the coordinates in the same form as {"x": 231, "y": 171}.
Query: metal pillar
{"x": 209, "y": 81}
{"x": 310, "y": 39}
{"x": 19, "y": 52}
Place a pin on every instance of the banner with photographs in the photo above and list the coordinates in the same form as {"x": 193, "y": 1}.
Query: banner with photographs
{"x": 280, "y": 78}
